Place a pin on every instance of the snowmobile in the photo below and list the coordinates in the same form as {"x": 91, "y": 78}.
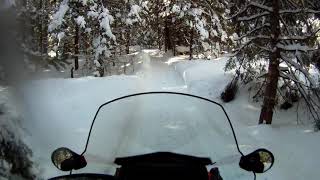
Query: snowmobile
{"x": 162, "y": 136}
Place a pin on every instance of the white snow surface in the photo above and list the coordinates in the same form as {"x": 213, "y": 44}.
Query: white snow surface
{"x": 61, "y": 110}
{"x": 105, "y": 21}
{"x": 81, "y": 21}
{"x": 57, "y": 18}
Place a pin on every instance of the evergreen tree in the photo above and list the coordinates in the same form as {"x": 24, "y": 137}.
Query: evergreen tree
{"x": 277, "y": 32}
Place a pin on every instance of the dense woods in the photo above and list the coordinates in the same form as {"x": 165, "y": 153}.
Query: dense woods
{"x": 271, "y": 45}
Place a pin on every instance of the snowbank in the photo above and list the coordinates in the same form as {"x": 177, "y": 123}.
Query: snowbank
{"x": 61, "y": 110}
{"x": 295, "y": 146}
{"x": 205, "y": 78}
{"x": 12, "y": 139}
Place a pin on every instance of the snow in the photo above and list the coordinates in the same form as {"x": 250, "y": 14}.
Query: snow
{"x": 202, "y": 83}
{"x": 133, "y": 15}
{"x": 294, "y": 47}
{"x": 84, "y": 2}
{"x": 200, "y": 27}
{"x": 100, "y": 47}
{"x": 105, "y": 22}
{"x": 182, "y": 49}
{"x": 52, "y": 54}
{"x": 62, "y": 110}
{"x": 88, "y": 30}
{"x": 57, "y": 18}
{"x": 11, "y": 129}
{"x": 97, "y": 63}
{"x": 60, "y": 36}
{"x": 297, "y": 10}
{"x": 81, "y": 22}
{"x": 135, "y": 10}
{"x": 93, "y": 14}
{"x": 175, "y": 9}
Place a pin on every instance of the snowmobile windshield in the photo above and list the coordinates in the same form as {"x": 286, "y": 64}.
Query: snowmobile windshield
{"x": 161, "y": 122}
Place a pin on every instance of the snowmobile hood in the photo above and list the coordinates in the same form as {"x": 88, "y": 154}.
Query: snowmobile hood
{"x": 163, "y": 158}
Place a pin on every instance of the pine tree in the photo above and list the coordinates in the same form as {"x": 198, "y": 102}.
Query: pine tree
{"x": 90, "y": 30}
{"x": 278, "y": 31}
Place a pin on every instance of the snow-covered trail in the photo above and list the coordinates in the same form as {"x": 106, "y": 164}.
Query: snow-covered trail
{"x": 60, "y": 110}
{"x": 157, "y": 74}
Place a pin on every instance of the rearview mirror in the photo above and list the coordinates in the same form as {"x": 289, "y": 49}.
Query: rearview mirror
{"x": 258, "y": 161}
{"x": 66, "y": 160}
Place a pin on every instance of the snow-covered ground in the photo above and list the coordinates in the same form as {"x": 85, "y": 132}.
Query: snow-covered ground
{"x": 61, "y": 111}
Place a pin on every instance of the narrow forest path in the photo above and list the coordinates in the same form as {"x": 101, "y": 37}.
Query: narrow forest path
{"x": 60, "y": 110}
{"x": 156, "y": 74}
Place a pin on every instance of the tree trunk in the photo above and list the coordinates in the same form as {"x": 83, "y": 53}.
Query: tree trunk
{"x": 71, "y": 71}
{"x": 167, "y": 35}
{"x": 76, "y": 48}
{"x": 40, "y": 27}
{"x": 45, "y": 22}
{"x": 191, "y": 43}
{"x": 273, "y": 69}
{"x": 128, "y": 41}
{"x": 158, "y": 25}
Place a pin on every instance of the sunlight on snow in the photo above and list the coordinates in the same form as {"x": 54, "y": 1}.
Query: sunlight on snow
{"x": 252, "y": 107}
{"x": 52, "y": 54}
{"x": 175, "y": 59}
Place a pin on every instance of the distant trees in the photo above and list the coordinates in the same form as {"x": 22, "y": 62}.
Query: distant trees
{"x": 271, "y": 41}
{"x": 54, "y": 32}
{"x": 278, "y": 34}
{"x": 82, "y": 27}
{"x": 198, "y": 25}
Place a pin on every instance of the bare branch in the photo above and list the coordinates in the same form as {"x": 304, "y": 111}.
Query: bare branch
{"x": 264, "y": 48}
{"x": 251, "y": 4}
{"x": 252, "y": 31}
{"x": 249, "y": 18}
{"x": 261, "y": 6}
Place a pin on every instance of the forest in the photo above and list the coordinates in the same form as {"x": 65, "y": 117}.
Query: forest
{"x": 265, "y": 50}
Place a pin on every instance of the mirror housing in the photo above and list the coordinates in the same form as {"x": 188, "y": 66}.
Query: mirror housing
{"x": 66, "y": 160}
{"x": 259, "y": 161}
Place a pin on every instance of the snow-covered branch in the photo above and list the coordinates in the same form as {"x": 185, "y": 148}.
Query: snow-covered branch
{"x": 294, "y": 11}
{"x": 58, "y": 17}
{"x": 294, "y": 47}
{"x": 298, "y": 67}
{"x": 294, "y": 37}
{"x": 312, "y": 105}
{"x": 292, "y": 78}
{"x": 252, "y": 4}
